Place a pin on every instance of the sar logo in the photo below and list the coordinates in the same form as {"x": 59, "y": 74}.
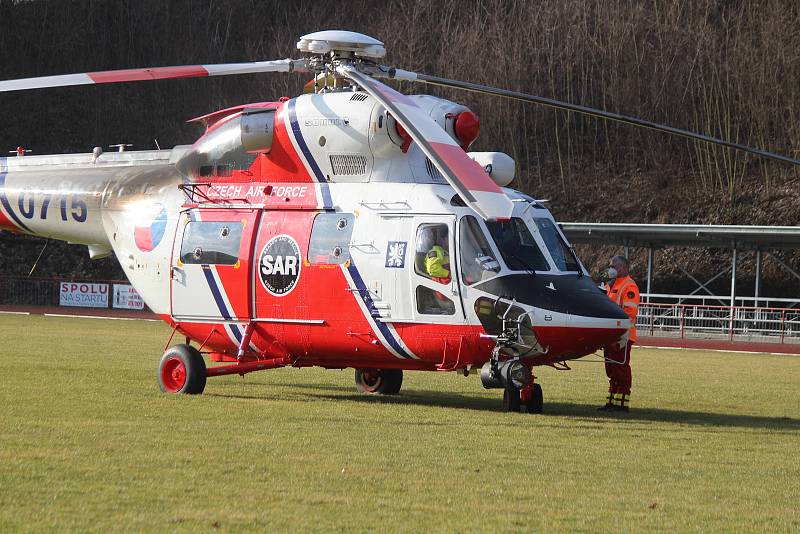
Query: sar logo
{"x": 279, "y": 265}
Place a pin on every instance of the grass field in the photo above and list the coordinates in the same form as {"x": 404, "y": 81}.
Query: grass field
{"x": 87, "y": 442}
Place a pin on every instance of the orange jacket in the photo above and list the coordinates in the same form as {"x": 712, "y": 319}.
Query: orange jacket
{"x": 625, "y": 293}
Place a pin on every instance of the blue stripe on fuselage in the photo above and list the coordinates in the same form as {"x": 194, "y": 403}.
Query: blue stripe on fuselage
{"x": 223, "y": 310}
{"x": 373, "y": 311}
{"x": 327, "y": 201}
{"x": 215, "y": 291}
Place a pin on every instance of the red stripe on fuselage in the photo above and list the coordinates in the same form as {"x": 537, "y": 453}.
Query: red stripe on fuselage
{"x": 157, "y": 73}
{"x": 470, "y": 173}
{"x": 283, "y": 163}
{"x": 6, "y": 224}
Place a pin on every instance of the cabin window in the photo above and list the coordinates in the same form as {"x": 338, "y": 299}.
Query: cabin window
{"x": 432, "y": 257}
{"x": 431, "y": 302}
{"x": 211, "y": 243}
{"x": 563, "y": 256}
{"x": 478, "y": 262}
{"x": 330, "y": 238}
{"x": 517, "y": 246}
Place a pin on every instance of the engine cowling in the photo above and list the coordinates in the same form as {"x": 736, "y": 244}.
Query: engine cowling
{"x": 257, "y": 129}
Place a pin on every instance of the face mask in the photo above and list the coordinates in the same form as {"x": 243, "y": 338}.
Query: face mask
{"x": 612, "y": 273}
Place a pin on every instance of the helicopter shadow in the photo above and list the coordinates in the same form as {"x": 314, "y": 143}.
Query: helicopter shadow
{"x": 560, "y": 409}
{"x": 440, "y": 399}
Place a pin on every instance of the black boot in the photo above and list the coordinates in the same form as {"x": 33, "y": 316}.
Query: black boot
{"x": 609, "y": 405}
{"x": 622, "y": 402}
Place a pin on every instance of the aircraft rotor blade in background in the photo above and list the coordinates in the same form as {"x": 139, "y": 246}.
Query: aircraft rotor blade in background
{"x": 155, "y": 73}
{"x": 468, "y": 178}
{"x": 557, "y": 104}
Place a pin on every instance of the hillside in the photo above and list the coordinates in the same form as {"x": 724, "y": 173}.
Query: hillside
{"x": 729, "y": 69}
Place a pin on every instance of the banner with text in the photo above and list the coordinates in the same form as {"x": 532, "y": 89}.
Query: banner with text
{"x": 85, "y": 295}
{"x": 127, "y": 298}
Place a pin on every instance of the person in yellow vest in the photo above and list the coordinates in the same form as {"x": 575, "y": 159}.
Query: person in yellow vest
{"x": 625, "y": 293}
{"x": 437, "y": 261}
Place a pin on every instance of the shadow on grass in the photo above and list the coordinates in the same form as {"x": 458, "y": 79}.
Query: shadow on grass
{"x": 675, "y": 416}
{"x": 557, "y": 409}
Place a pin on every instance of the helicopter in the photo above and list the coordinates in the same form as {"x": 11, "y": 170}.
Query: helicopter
{"x": 346, "y": 227}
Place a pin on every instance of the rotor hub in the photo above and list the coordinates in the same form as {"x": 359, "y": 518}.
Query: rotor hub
{"x": 342, "y": 43}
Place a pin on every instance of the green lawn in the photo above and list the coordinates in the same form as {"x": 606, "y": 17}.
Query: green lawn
{"x": 87, "y": 442}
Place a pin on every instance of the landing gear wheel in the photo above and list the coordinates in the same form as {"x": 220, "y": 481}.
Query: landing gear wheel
{"x": 511, "y": 400}
{"x": 182, "y": 370}
{"x": 536, "y": 404}
{"x": 379, "y": 381}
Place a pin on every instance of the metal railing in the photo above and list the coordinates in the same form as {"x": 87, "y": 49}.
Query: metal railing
{"x": 720, "y": 300}
{"x": 732, "y": 323}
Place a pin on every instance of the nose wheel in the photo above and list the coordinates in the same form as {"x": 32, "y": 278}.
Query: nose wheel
{"x": 528, "y": 399}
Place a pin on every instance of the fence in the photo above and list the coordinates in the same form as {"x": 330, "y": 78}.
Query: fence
{"x": 659, "y": 320}
{"x": 724, "y": 323}
{"x": 721, "y": 300}
{"x": 46, "y": 292}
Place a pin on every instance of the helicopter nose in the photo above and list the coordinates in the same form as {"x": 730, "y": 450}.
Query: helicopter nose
{"x": 591, "y": 322}
{"x": 581, "y": 335}
{"x": 572, "y": 316}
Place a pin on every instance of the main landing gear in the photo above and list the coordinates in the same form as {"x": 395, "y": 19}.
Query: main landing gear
{"x": 379, "y": 381}
{"x": 182, "y": 370}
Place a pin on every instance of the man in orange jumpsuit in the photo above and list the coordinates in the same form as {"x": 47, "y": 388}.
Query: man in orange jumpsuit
{"x": 623, "y": 291}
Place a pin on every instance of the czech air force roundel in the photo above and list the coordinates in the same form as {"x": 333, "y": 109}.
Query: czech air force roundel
{"x": 279, "y": 265}
{"x": 149, "y": 230}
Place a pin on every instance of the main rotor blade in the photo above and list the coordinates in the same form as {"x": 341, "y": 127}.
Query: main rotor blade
{"x": 155, "y": 73}
{"x": 557, "y": 104}
{"x": 468, "y": 178}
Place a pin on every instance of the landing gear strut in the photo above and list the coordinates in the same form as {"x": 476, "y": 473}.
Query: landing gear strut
{"x": 507, "y": 367}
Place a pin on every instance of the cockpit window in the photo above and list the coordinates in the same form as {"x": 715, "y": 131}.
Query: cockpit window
{"x": 517, "y": 246}
{"x": 478, "y": 262}
{"x": 561, "y": 253}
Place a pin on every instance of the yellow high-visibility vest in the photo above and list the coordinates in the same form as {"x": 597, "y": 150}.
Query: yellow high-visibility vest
{"x": 435, "y": 262}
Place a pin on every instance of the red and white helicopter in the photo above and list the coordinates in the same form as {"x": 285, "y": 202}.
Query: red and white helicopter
{"x": 347, "y": 227}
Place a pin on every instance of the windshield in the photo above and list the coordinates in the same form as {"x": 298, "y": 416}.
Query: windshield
{"x": 477, "y": 259}
{"x": 517, "y": 245}
{"x": 562, "y": 255}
